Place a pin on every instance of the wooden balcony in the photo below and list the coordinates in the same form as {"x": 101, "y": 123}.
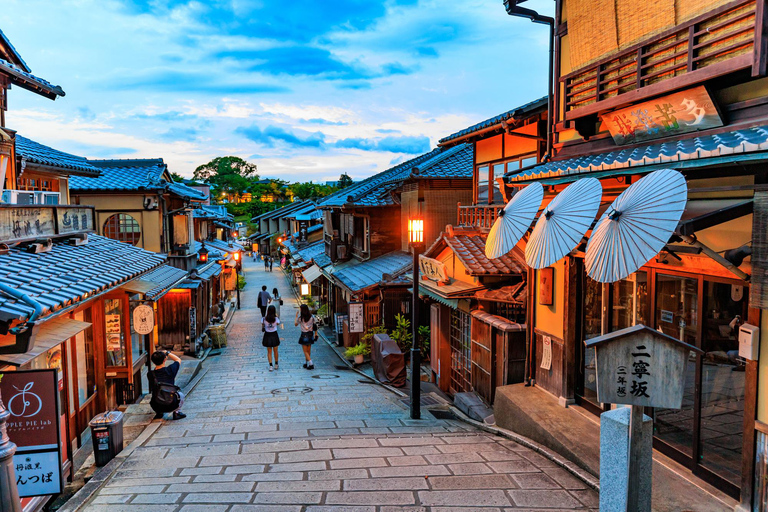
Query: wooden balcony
{"x": 478, "y": 216}
{"x": 714, "y": 44}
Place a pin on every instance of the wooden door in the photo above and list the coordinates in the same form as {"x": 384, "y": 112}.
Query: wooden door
{"x": 482, "y": 360}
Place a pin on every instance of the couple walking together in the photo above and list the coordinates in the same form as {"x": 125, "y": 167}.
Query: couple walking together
{"x": 270, "y": 320}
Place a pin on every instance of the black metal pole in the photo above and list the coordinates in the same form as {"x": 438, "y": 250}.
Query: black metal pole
{"x": 415, "y": 348}
{"x": 9, "y": 492}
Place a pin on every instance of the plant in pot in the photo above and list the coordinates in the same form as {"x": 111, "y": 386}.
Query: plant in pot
{"x": 402, "y": 335}
{"x": 358, "y": 352}
{"x": 323, "y": 313}
{"x": 367, "y": 338}
{"x": 424, "y": 342}
{"x": 311, "y": 304}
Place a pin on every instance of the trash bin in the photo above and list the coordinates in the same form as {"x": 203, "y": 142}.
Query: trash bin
{"x": 107, "y": 435}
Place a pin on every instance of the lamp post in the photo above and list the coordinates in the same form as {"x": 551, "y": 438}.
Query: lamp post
{"x": 416, "y": 242}
{"x": 202, "y": 254}
{"x": 9, "y": 493}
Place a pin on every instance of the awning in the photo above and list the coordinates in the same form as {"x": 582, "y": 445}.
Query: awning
{"x": 426, "y": 292}
{"x": 50, "y": 334}
{"x": 312, "y": 273}
{"x": 156, "y": 283}
{"x": 212, "y": 270}
{"x": 498, "y": 322}
{"x": 222, "y": 225}
{"x": 513, "y": 294}
{"x": 138, "y": 286}
{"x": 189, "y": 284}
{"x": 705, "y": 213}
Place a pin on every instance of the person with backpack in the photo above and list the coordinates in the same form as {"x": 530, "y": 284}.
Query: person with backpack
{"x": 308, "y": 336}
{"x": 166, "y": 395}
{"x": 263, "y": 300}
{"x": 271, "y": 339}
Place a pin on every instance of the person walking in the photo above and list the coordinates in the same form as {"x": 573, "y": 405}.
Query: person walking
{"x": 271, "y": 261}
{"x": 271, "y": 339}
{"x": 166, "y": 395}
{"x": 263, "y": 300}
{"x": 277, "y": 301}
{"x": 308, "y": 336}
{"x": 266, "y": 263}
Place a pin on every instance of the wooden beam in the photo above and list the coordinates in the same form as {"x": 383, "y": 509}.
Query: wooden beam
{"x": 760, "y": 63}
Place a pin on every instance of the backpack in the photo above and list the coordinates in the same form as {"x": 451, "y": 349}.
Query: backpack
{"x": 165, "y": 397}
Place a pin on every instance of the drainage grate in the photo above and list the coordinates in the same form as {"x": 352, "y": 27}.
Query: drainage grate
{"x": 340, "y": 367}
{"x": 291, "y": 390}
{"x": 325, "y": 376}
{"x": 425, "y": 401}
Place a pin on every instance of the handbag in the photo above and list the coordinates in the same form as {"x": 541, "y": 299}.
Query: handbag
{"x": 165, "y": 397}
{"x": 281, "y": 302}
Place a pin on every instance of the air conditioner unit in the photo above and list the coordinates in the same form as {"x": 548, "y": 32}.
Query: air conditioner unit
{"x": 47, "y": 197}
{"x": 18, "y": 197}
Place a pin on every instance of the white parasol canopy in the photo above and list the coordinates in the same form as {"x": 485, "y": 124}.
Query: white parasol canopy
{"x": 563, "y": 223}
{"x": 514, "y": 220}
{"x": 636, "y": 226}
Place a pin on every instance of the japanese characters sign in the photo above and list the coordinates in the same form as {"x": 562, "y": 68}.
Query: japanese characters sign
{"x": 19, "y": 223}
{"x": 546, "y": 356}
{"x": 682, "y": 112}
{"x": 433, "y": 269}
{"x": 143, "y": 319}
{"x": 356, "y": 317}
{"x": 71, "y": 220}
{"x": 31, "y": 397}
{"x": 641, "y": 366}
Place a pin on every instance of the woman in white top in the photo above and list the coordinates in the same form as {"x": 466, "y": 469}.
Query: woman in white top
{"x": 271, "y": 339}
{"x": 306, "y": 321}
{"x": 276, "y": 300}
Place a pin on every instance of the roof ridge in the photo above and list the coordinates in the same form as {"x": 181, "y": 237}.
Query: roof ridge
{"x": 495, "y": 119}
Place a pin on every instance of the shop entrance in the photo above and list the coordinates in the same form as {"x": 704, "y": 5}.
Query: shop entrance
{"x": 461, "y": 352}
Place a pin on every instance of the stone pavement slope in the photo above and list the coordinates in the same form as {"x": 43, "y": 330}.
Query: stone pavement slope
{"x": 295, "y": 440}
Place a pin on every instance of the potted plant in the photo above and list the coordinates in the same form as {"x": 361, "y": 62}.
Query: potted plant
{"x": 402, "y": 334}
{"x": 424, "y": 342}
{"x": 323, "y": 313}
{"x": 358, "y": 352}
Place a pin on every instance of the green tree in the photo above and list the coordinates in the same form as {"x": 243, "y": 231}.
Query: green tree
{"x": 178, "y": 178}
{"x": 345, "y": 181}
{"x": 227, "y": 174}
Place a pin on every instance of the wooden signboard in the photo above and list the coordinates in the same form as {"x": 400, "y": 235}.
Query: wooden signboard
{"x": 682, "y": 112}
{"x": 72, "y": 220}
{"x": 356, "y": 317}
{"x": 23, "y": 223}
{"x": 192, "y": 326}
{"x": 143, "y": 319}
{"x": 433, "y": 269}
{"x": 641, "y": 366}
{"x": 546, "y": 286}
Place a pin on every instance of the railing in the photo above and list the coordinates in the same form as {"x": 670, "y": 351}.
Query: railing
{"x": 479, "y": 216}
{"x": 705, "y": 47}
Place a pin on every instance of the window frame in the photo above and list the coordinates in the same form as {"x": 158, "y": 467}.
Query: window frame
{"x": 115, "y": 229}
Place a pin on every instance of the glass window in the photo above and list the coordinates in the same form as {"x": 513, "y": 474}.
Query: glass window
{"x": 86, "y": 381}
{"x": 722, "y": 379}
{"x": 629, "y": 301}
{"x": 482, "y": 184}
{"x": 113, "y": 318}
{"x": 123, "y": 227}
{"x": 529, "y": 160}
{"x": 593, "y": 312}
{"x": 498, "y": 174}
{"x": 677, "y": 315}
{"x": 514, "y": 165}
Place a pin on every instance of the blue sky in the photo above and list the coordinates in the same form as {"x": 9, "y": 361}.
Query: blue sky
{"x": 306, "y": 89}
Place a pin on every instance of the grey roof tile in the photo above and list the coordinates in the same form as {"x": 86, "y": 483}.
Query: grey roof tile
{"x": 521, "y": 111}
{"x": 359, "y": 275}
{"x": 37, "y": 153}
{"x": 27, "y": 80}
{"x": 165, "y": 276}
{"x": 68, "y": 274}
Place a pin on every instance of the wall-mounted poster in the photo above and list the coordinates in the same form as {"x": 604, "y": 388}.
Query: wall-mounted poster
{"x": 546, "y": 286}
{"x": 546, "y": 356}
{"x": 356, "y": 317}
{"x": 31, "y": 397}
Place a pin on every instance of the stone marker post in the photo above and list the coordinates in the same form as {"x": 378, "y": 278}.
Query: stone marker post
{"x": 639, "y": 367}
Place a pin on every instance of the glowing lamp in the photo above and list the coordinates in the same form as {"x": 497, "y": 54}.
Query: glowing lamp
{"x": 305, "y": 289}
{"x": 202, "y": 254}
{"x": 236, "y": 256}
{"x": 234, "y": 234}
{"x": 415, "y": 231}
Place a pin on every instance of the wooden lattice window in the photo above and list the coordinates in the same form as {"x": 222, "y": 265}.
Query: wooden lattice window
{"x": 123, "y": 227}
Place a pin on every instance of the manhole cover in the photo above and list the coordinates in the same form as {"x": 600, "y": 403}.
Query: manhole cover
{"x": 292, "y": 390}
{"x": 325, "y": 376}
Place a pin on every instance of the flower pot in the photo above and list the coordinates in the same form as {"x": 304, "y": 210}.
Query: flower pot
{"x": 359, "y": 359}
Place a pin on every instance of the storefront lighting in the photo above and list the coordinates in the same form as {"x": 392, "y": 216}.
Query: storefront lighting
{"x": 305, "y": 289}
{"x": 202, "y": 254}
{"x": 236, "y": 256}
{"x": 415, "y": 231}
{"x": 234, "y": 234}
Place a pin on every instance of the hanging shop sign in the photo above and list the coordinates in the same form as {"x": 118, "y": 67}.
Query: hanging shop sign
{"x": 546, "y": 286}
{"x": 31, "y": 397}
{"x": 192, "y": 324}
{"x": 433, "y": 269}
{"x": 682, "y": 112}
{"x": 356, "y": 317}
{"x": 143, "y": 319}
{"x": 18, "y": 223}
{"x": 303, "y": 227}
{"x": 230, "y": 279}
{"x": 71, "y": 220}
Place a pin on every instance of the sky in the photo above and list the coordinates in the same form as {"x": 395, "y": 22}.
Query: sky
{"x": 305, "y": 89}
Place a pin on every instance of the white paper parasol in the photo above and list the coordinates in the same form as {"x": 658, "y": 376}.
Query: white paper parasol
{"x": 636, "y": 226}
{"x": 514, "y": 220}
{"x": 563, "y": 223}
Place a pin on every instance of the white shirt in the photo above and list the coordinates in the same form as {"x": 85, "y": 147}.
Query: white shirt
{"x": 268, "y": 327}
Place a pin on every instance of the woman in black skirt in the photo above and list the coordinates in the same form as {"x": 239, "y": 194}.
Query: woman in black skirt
{"x": 271, "y": 339}
{"x": 308, "y": 333}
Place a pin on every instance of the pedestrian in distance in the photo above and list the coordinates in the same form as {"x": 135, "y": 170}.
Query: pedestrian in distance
{"x": 166, "y": 395}
{"x": 266, "y": 263}
{"x": 263, "y": 300}
{"x": 271, "y": 261}
{"x": 277, "y": 301}
{"x": 306, "y": 321}
{"x": 271, "y": 339}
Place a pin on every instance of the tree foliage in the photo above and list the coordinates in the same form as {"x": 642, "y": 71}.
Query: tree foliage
{"x": 227, "y": 174}
{"x": 345, "y": 181}
{"x": 309, "y": 190}
{"x": 176, "y": 177}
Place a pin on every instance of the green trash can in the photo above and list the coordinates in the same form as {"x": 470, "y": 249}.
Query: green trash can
{"x": 107, "y": 435}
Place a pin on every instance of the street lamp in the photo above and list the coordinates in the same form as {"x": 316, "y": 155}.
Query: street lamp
{"x": 416, "y": 242}
{"x": 202, "y": 254}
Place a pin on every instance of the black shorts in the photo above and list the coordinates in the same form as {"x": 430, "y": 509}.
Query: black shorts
{"x": 271, "y": 339}
{"x": 307, "y": 338}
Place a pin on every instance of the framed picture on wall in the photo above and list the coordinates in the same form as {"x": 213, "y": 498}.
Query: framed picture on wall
{"x": 546, "y": 278}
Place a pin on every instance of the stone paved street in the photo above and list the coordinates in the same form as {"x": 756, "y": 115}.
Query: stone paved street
{"x": 295, "y": 440}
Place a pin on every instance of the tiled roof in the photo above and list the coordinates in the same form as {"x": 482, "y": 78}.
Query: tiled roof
{"x": 292, "y": 247}
{"x": 165, "y": 276}
{"x": 28, "y": 81}
{"x": 469, "y": 247}
{"x": 14, "y": 53}
{"x": 519, "y": 112}
{"x": 37, "y": 153}
{"x": 68, "y": 274}
{"x": 210, "y": 270}
{"x": 316, "y": 227}
{"x": 359, "y": 275}
{"x": 184, "y": 191}
{"x": 513, "y": 294}
{"x": 453, "y": 163}
{"x": 219, "y": 210}
{"x": 322, "y": 260}
{"x": 123, "y": 174}
{"x": 310, "y": 252}
{"x": 282, "y": 211}
{"x": 221, "y": 245}
{"x": 736, "y": 142}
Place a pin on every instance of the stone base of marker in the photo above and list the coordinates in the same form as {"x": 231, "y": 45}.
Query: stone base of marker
{"x": 614, "y": 460}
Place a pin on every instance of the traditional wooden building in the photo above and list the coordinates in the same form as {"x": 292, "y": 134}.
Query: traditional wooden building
{"x": 684, "y": 87}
